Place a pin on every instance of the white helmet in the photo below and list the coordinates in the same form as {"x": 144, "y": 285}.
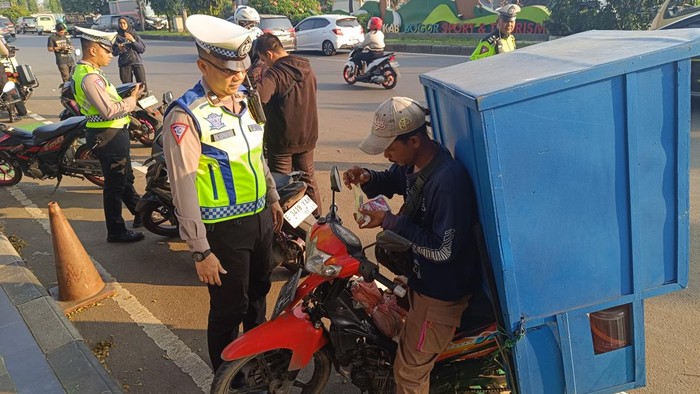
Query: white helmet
{"x": 246, "y": 16}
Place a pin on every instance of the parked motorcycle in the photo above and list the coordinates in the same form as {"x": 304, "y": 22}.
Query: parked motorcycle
{"x": 145, "y": 121}
{"x": 318, "y": 324}
{"x": 10, "y": 100}
{"x": 50, "y": 151}
{"x": 381, "y": 71}
{"x": 22, "y": 76}
{"x": 157, "y": 209}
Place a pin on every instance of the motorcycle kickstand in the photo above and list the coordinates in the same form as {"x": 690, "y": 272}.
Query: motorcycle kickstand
{"x": 60, "y": 178}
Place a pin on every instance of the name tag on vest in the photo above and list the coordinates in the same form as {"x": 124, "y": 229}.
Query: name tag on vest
{"x": 222, "y": 135}
{"x": 255, "y": 127}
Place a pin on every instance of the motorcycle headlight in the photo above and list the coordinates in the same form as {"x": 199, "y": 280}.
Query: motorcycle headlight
{"x": 316, "y": 261}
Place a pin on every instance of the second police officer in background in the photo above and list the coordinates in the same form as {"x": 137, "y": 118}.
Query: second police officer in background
{"x": 107, "y": 130}
{"x": 224, "y": 193}
{"x": 502, "y": 40}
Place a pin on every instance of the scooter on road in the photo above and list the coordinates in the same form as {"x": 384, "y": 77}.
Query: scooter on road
{"x": 381, "y": 71}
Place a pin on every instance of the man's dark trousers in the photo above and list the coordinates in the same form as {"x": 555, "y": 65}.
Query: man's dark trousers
{"x": 112, "y": 150}
{"x": 244, "y": 248}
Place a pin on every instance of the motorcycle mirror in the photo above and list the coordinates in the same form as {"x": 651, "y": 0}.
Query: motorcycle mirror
{"x": 393, "y": 242}
{"x": 8, "y": 86}
{"x": 168, "y": 97}
{"x": 336, "y": 182}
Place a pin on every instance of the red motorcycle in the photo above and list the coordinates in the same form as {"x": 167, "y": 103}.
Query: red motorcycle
{"x": 50, "y": 151}
{"x": 318, "y": 324}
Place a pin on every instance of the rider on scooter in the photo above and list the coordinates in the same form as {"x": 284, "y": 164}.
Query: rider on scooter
{"x": 373, "y": 43}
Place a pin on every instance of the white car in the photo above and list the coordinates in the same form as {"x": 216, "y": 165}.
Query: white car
{"x": 328, "y": 33}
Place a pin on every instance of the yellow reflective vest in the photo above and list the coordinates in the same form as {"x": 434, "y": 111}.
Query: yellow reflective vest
{"x": 94, "y": 118}
{"x": 493, "y": 44}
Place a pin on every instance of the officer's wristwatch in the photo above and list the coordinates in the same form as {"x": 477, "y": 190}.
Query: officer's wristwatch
{"x": 200, "y": 256}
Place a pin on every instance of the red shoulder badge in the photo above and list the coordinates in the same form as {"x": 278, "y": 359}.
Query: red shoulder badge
{"x": 178, "y": 129}
{"x": 484, "y": 49}
{"x": 100, "y": 83}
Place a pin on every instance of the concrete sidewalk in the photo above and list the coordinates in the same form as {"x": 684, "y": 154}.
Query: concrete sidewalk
{"x": 40, "y": 350}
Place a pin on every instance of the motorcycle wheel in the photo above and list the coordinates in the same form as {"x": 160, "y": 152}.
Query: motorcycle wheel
{"x": 85, "y": 153}
{"x": 390, "y": 78}
{"x": 349, "y": 76}
{"x": 21, "y": 108}
{"x": 156, "y": 218}
{"x": 147, "y": 133}
{"x": 10, "y": 174}
{"x": 267, "y": 372}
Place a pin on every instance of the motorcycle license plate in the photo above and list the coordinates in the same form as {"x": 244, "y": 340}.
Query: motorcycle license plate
{"x": 148, "y": 101}
{"x": 300, "y": 211}
{"x": 287, "y": 294}
{"x": 394, "y": 64}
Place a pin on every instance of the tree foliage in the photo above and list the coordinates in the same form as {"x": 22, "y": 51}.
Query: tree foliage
{"x": 208, "y": 7}
{"x": 32, "y": 6}
{"x": 85, "y": 6}
{"x": 15, "y": 12}
{"x": 295, "y": 10}
{"x": 53, "y": 6}
{"x": 574, "y": 16}
{"x": 166, "y": 7}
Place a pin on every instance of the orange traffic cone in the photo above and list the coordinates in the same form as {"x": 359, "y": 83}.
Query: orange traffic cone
{"x": 79, "y": 283}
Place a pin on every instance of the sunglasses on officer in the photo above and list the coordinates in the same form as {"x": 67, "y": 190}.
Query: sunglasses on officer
{"x": 227, "y": 71}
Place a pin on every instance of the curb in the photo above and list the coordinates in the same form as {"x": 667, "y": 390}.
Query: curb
{"x": 410, "y": 48}
{"x": 44, "y": 341}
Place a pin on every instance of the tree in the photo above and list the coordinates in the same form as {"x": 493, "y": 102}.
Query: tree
{"x": 15, "y": 12}
{"x": 209, "y": 7}
{"x": 296, "y": 10}
{"x": 54, "y": 6}
{"x": 166, "y": 7}
{"x": 85, "y": 6}
{"x": 574, "y": 16}
{"x": 32, "y": 6}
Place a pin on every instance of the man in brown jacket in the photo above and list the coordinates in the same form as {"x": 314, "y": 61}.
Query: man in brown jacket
{"x": 288, "y": 91}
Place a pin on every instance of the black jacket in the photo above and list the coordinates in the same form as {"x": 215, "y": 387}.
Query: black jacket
{"x": 288, "y": 91}
{"x": 131, "y": 53}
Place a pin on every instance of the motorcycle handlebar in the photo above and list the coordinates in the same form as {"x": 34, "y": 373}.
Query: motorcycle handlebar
{"x": 370, "y": 271}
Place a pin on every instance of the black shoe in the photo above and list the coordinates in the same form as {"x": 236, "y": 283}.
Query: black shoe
{"x": 138, "y": 223}
{"x": 128, "y": 236}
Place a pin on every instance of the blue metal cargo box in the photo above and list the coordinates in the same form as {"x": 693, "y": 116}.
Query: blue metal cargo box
{"x": 579, "y": 151}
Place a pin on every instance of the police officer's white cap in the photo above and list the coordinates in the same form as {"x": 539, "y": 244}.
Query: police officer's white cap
{"x": 97, "y": 36}
{"x": 508, "y": 12}
{"x": 224, "y": 40}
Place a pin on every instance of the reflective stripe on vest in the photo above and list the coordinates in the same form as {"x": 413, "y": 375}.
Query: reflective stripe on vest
{"x": 94, "y": 118}
{"x": 230, "y": 178}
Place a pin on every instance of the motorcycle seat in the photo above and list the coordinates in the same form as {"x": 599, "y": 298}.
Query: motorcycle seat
{"x": 49, "y": 131}
{"x": 290, "y": 194}
{"x": 125, "y": 89}
{"x": 17, "y": 136}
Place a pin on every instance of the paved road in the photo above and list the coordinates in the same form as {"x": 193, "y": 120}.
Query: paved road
{"x": 155, "y": 328}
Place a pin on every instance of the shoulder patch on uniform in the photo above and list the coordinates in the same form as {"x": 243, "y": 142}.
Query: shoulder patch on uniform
{"x": 178, "y": 129}
{"x": 100, "y": 83}
{"x": 484, "y": 49}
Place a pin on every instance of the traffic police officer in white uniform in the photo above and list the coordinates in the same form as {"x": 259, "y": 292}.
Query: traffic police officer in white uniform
{"x": 107, "y": 130}
{"x": 224, "y": 194}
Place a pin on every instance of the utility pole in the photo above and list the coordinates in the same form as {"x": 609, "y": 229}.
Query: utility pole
{"x": 141, "y": 5}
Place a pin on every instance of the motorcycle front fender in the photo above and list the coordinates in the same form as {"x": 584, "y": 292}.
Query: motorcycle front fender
{"x": 291, "y": 331}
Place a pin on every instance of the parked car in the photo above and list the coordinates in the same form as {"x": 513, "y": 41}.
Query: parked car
{"x": 328, "y": 33}
{"x": 280, "y": 26}
{"x": 74, "y": 20}
{"x": 111, "y": 22}
{"x": 678, "y": 14}
{"x": 7, "y": 28}
{"x": 45, "y": 23}
{"x": 26, "y": 24}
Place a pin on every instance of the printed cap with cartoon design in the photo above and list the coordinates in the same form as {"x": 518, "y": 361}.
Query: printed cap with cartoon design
{"x": 222, "y": 41}
{"x": 508, "y": 12}
{"x": 100, "y": 37}
{"x": 394, "y": 117}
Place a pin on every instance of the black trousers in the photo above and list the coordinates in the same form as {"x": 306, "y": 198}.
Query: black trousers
{"x": 244, "y": 248}
{"x": 367, "y": 57}
{"x": 127, "y": 72}
{"x": 112, "y": 151}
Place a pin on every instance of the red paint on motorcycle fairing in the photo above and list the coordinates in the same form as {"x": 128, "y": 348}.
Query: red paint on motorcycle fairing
{"x": 3, "y": 137}
{"x": 293, "y": 331}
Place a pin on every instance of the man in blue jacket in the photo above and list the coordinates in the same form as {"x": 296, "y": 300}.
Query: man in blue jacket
{"x": 437, "y": 216}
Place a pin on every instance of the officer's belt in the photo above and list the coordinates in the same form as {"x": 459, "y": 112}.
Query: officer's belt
{"x": 99, "y": 118}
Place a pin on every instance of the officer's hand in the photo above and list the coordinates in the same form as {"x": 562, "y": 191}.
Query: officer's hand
{"x": 208, "y": 270}
{"x": 136, "y": 93}
{"x": 277, "y": 216}
{"x": 376, "y": 218}
{"x": 355, "y": 176}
